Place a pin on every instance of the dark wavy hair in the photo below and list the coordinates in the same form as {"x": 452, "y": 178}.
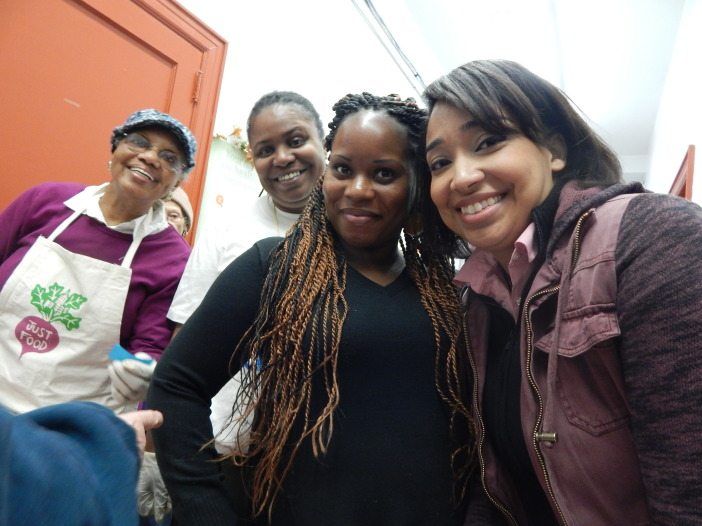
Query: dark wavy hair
{"x": 297, "y": 331}
{"x": 504, "y": 96}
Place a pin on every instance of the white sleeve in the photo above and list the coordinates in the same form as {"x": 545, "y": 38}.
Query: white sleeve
{"x": 224, "y": 428}
{"x": 202, "y": 269}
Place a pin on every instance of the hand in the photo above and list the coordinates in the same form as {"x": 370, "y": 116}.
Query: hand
{"x": 141, "y": 422}
{"x": 152, "y": 496}
{"x": 130, "y": 379}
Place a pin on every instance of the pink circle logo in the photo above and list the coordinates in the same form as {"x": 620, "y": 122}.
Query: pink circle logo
{"x": 36, "y": 335}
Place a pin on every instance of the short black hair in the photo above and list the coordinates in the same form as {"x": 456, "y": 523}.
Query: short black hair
{"x": 285, "y": 98}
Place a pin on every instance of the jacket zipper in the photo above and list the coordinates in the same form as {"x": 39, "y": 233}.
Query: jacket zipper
{"x": 535, "y": 388}
{"x": 481, "y": 460}
{"x": 536, "y": 435}
{"x": 576, "y": 234}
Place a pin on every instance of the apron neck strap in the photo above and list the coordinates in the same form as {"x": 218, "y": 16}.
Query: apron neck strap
{"x": 64, "y": 225}
{"x": 131, "y": 252}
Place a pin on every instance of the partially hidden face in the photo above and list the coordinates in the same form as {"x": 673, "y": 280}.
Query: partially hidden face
{"x": 367, "y": 181}
{"x": 287, "y": 153}
{"x": 175, "y": 216}
{"x": 485, "y": 185}
{"x": 144, "y": 176}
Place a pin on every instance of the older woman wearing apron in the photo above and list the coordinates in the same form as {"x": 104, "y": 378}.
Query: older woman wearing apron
{"x": 84, "y": 268}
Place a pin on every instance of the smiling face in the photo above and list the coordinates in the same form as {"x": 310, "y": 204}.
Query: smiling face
{"x": 141, "y": 178}
{"x": 485, "y": 185}
{"x": 287, "y": 153}
{"x": 367, "y": 181}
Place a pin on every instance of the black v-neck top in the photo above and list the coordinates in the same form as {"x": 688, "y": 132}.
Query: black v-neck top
{"x": 388, "y": 461}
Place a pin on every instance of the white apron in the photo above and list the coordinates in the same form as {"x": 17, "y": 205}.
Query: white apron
{"x": 60, "y": 314}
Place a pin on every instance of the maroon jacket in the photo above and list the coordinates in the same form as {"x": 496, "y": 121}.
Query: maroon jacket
{"x": 611, "y": 378}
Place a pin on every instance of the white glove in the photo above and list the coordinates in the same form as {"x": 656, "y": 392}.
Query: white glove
{"x": 152, "y": 497}
{"x": 130, "y": 378}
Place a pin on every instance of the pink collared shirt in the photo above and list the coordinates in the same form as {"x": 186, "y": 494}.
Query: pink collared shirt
{"x": 485, "y": 276}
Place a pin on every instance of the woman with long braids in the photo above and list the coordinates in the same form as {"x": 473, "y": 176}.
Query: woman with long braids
{"x": 354, "y": 380}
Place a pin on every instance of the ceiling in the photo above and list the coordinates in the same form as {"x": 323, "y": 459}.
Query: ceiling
{"x": 610, "y": 56}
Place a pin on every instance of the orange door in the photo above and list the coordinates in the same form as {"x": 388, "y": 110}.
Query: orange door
{"x": 71, "y": 70}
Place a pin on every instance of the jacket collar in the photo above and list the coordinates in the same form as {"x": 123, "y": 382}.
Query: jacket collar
{"x": 572, "y": 201}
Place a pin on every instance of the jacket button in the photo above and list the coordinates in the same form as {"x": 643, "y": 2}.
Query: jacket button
{"x": 547, "y": 437}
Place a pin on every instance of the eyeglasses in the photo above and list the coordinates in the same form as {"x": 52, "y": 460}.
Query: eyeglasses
{"x": 140, "y": 144}
{"x": 175, "y": 216}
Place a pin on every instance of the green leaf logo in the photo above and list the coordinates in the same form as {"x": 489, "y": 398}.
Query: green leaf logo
{"x": 74, "y": 301}
{"x": 54, "y": 303}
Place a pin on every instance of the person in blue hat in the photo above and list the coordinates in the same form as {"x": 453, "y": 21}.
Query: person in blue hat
{"x": 84, "y": 268}
{"x": 73, "y": 463}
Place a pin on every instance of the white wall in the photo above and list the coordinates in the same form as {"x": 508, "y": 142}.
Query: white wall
{"x": 319, "y": 48}
{"x": 679, "y": 120}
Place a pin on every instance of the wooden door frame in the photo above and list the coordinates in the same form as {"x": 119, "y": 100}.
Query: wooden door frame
{"x": 206, "y": 82}
{"x": 682, "y": 184}
{"x": 205, "y": 87}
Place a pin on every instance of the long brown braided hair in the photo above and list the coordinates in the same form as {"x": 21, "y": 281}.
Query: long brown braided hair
{"x": 295, "y": 336}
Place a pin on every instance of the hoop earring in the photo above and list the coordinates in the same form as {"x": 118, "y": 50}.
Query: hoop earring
{"x": 109, "y": 165}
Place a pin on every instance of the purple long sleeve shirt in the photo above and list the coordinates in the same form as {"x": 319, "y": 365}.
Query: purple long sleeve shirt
{"x": 156, "y": 268}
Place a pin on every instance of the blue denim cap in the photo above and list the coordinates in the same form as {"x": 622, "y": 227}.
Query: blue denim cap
{"x": 151, "y": 117}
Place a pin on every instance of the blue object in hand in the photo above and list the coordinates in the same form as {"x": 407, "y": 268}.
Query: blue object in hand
{"x": 120, "y": 353}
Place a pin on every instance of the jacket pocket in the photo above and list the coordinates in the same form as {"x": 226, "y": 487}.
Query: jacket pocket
{"x": 589, "y": 382}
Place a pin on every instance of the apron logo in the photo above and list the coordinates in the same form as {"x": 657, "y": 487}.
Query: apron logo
{"x": 37, "y": 334}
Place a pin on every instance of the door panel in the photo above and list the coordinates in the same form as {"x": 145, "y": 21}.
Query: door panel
{"x": 72, "y": 70}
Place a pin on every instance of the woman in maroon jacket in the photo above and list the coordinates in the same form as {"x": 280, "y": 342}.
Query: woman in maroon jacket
{"x": 583, "y": 299}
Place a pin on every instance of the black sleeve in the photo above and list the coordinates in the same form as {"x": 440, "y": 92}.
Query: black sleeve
{"x": 192, "y": 370}
{"x": 659, "y": 279}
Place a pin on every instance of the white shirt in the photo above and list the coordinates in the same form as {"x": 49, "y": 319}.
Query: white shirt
{"x": 88, "y": 200}
{"x": 216, "y": 248}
